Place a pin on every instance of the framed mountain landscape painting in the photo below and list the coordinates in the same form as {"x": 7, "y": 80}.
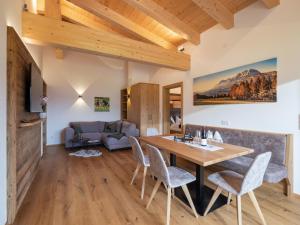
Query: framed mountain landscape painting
{"x": 252, "y": 83}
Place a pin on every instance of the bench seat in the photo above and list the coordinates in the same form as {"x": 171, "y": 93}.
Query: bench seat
{"x": 280, "y": 166}
{"x": 274, "y": 173}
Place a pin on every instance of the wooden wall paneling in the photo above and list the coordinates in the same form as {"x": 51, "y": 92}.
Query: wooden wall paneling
{"x": 11, "y": 129}
{"x": 25, "y": 183}
{"x": 24, "y": 142}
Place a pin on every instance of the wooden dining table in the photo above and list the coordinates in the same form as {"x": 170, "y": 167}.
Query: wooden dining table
{"x": 201, "y": 194}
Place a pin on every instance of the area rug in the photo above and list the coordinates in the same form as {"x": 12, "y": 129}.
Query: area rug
{"x": 86, "y": 153}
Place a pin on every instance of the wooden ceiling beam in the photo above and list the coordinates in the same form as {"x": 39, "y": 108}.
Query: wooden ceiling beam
{"x": 164, "y": 17}
{"x": 97, "y": 8}
{"x": 78, "y": 15}
{"x": 53, "y": 10}
{"x": 217, "y": 11}
{"x": 60, "y": 33}
{"x": 75, "y": 14}
{"x": 271, "y": 3}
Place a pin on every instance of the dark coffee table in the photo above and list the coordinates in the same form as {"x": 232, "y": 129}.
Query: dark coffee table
{"x": 84, "y": 142}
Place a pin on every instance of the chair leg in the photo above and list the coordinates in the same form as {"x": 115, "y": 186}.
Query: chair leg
{"x": 135, "y": 172}
{"x": 156, "y": 186}
{"x": 144, "y": 180}
{"x": 288, "y": 187}
{"x": 213, "y": 199}
{"x": 188, "y": 196}
{"x": 229, "y": 198}
{"x": 239, "y": 209}
{"x": 169, "y": 206}
{"x": 165, "y": 186}
{"x": 258, "y": 210}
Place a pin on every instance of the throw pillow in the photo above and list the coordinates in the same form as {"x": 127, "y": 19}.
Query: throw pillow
{"x": 217, "y": 137}
{"x": 111, "y": 127}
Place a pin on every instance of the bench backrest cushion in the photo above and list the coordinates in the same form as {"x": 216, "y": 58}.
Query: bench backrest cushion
{"x": 259, "y": 141}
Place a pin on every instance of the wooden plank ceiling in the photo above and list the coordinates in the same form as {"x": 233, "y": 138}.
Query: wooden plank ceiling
{"x": 163, "y": 23}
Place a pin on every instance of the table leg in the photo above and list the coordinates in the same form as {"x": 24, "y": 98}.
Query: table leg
{"x": 172, "y": 159}
{"x": 200, "y": 193}
{"x": 199, "y": 183}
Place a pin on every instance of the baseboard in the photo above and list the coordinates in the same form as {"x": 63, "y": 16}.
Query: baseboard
{"x": 295, "y": 195}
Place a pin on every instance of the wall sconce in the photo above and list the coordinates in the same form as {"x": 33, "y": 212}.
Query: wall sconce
{"x": 128, "y": 96}
{"x": 79, "y": 96}
{"x": 181, "y": 49}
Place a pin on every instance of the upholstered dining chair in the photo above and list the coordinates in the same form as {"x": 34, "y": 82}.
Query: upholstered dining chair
{"x": 154, "y": 132}
{"x": 142, "y": 160}
{"x": 237, "y": 184}
{"x": 172, "y": 177}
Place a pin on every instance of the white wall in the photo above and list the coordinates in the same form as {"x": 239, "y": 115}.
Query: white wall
{"x": 79, "y": 73}
{"x": 10, "y": 14}
{"x": 258, "y": 34}
{"x": 139, "y": 73}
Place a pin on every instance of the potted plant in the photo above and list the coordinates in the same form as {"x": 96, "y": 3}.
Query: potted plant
{"x": 44, "y": 102}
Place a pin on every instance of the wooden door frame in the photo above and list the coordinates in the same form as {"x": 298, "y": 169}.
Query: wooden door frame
{"x": 166, "y": 107}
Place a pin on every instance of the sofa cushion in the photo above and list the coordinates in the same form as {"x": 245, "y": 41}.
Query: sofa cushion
{"x": 274, "y": 173}
{"x": 116, "y": 135}
{"x": 128, "y": 128}
{"x": 113, "y": 127}
{"x": 89, "y": 127}
{"x": 92, "y": 136}
{"x": 111, "y": 141}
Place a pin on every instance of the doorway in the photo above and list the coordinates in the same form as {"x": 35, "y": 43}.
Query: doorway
{"x": 173, "y": 108}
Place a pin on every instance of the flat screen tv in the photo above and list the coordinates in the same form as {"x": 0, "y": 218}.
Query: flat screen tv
{"x": 35, "y": 90}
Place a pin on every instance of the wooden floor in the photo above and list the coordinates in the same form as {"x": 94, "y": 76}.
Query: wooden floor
{"x": 96, "y": 191}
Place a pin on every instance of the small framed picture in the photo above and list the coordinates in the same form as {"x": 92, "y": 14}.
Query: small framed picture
{"x": 102, "y": 104}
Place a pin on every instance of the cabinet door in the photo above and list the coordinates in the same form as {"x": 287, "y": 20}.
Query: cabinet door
{"x": 149, "y": 107}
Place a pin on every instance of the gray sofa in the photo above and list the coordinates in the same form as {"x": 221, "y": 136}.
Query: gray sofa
{"x": 113, "y": 135}
{"x": 278, "y": 168}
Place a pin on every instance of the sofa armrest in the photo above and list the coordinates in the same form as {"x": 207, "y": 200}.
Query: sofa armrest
{"x": 69, "y": 136}
{"x": 137, "y": 132}
{"x": 132, "y": 132}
